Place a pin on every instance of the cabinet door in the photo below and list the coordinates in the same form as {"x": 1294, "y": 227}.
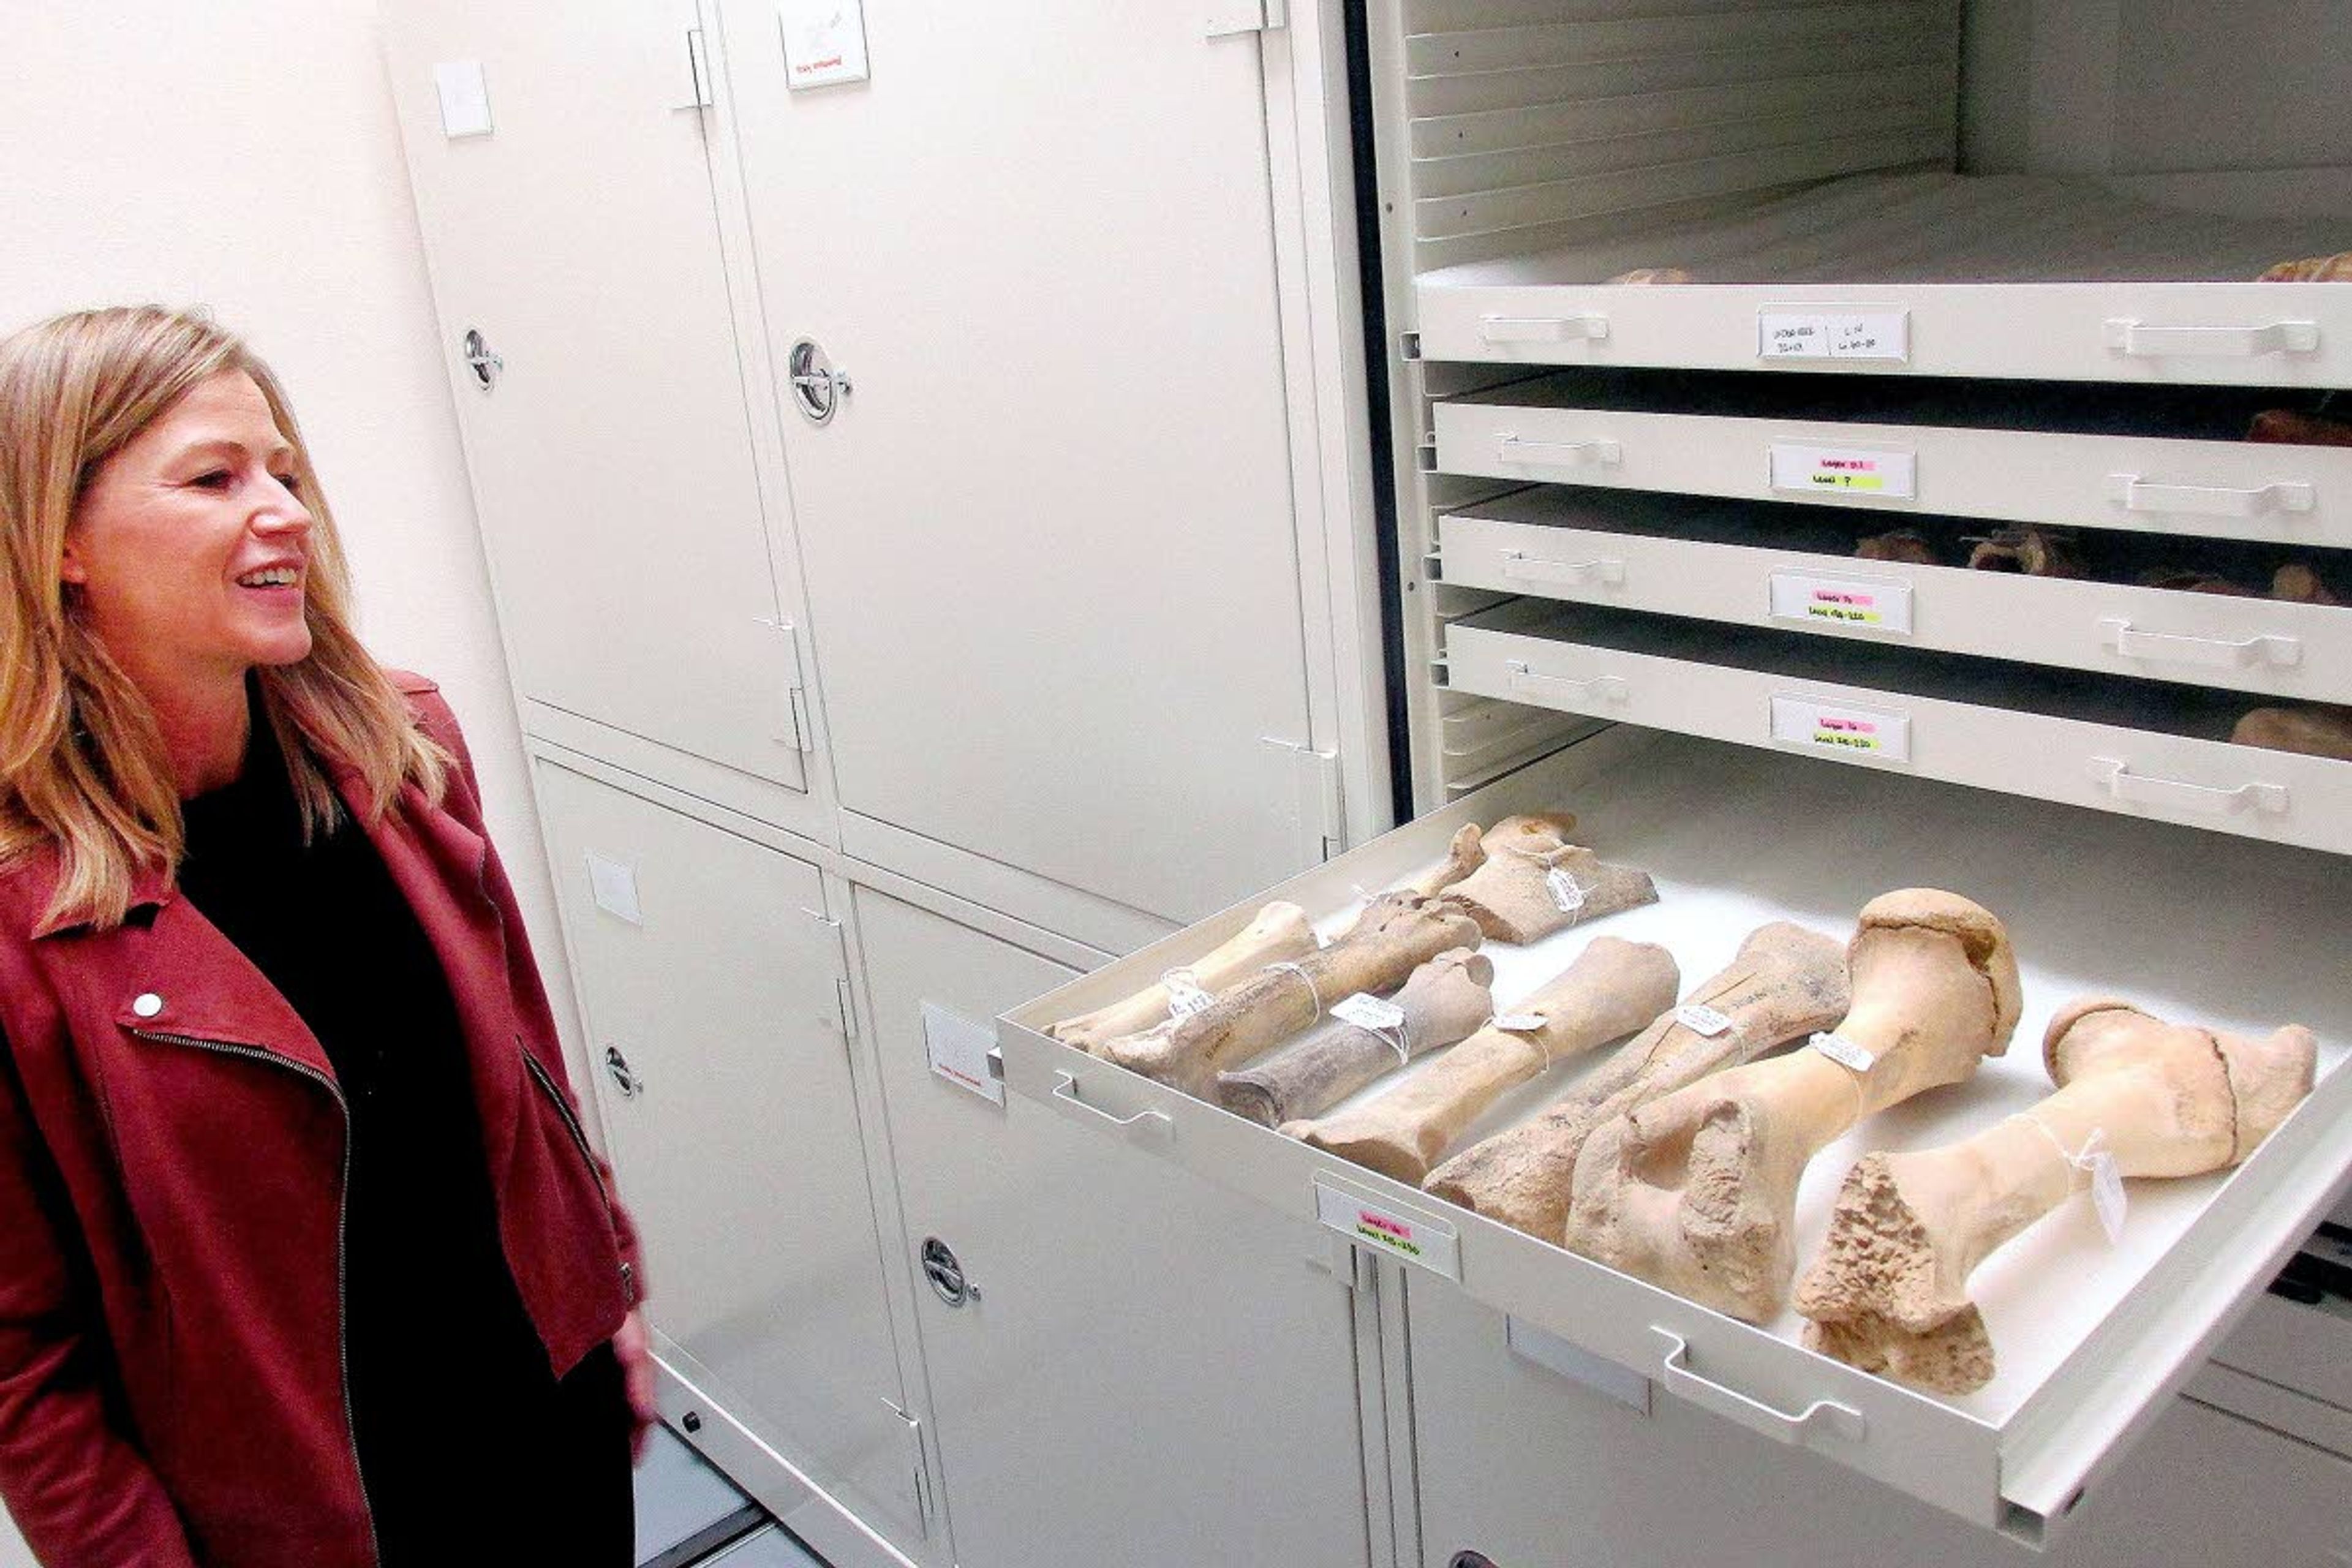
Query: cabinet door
{"x": 1153, "y": 1374}
{"x": 613, "y": 456}
{"x": 1049, "y": 539}
{"x": 714, "y": 1032}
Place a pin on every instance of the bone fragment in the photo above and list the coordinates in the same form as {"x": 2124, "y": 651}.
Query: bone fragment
{"x": 1899, "y": 544}
{"x": 2292, "y": 428}
{"x": 2195, "y": 580}
{"x": 2035, "y": 552}
{"x": 1464, "y": 856}
{"x": 1280, "y": 932}
{"x": 2335, "y": 269}
{"x": 1889, "y": 1292}
{"x": 2314, "y": 731}
{"x": 1785, "y": 983}
{"x": 1535, "y": 883}
{"x": 1698, "y": 1192}
{"x": 1446, "y": 999}
{"x": 1647, "y": 275}
{"x": 1396, "y": 933}
{"x": 2297, "y": 584}
{"x": 1614, "y": 988}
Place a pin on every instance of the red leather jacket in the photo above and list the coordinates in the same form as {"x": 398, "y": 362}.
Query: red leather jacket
{"x": 171, "y": 1203}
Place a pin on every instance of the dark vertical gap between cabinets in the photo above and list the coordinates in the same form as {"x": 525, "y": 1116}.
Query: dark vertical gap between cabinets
{"x": 1376, "y": 402}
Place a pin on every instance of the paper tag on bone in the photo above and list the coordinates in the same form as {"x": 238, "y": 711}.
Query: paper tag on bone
{"x": 1369, "y": 1013}
{"x": 1519, "y": 1022}
{"x": 1843, "y": 1052}
{"x": 1565, "y": 892}
{"x": 1185, "y": 996}
{"x": 1701, "y": 1020}
{"x": 2107, "y": 1195}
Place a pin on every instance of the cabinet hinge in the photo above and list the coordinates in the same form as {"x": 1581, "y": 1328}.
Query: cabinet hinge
{"x": 1408, "y": 345}
{"x": 698, "y": 65}
{"x": 915, "y": 1455}
{"x": 794, "y": 729}
{"x": 1227, "y": 17}
{"x": 1322, "y": 811}
{"x": 836, "y": 949}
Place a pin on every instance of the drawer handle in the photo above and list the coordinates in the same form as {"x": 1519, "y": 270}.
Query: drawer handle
{"x": 1674, "y": 1371}
{"x": 2142, "y": 789}
{"x": 2214, "y": 653}
{"x": 1542, "y": 329}
{"x": 2135, "y": 494}
{"x": 1521, "y": 567}
{"x": 2141, "y": 341}
{"x": 1523, "y": 680}
{"x": 1067, "y": 1092}
{"x": 1557, "y": 454}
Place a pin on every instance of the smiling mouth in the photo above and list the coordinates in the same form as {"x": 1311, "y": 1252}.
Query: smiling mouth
{"x": 271, "y": 577}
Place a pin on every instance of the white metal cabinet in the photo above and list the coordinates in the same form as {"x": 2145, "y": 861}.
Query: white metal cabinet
{"x": 1048, "y": 532}
{"x": 1154, "y": 1373}
{"x": 614, "y": 425}
{"x": 707, "y": 974}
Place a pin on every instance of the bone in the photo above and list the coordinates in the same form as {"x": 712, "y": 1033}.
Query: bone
{"x": 2035, "y": 552}
{"x": 1396, "y": 933}
{"x": 2195, "y": 580}
{"x": 1898, "y": 544}
{"x": 1698, "y": 1192}
{"x": 2335, "y": 269}
{"x": 2298, "y": 584}
{"x": 1613, "y": 988}
{"x": 1785, "y": 983}
{"x": 1280, "y": 932}
{"x": 2290, "y": 426}
{"x": 1464, "y": 856}
{"x": 1655, "y": 275}
{"x": 2314, "y": 732}
{"x": 1535, "y": 883}
{"x": 1889, "y": 1291}
{"x": 1445, "y": 1000}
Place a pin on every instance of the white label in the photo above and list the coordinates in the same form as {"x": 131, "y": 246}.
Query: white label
{"x": 1565, "y": 891}
{"x": 614, "y": 887}
{"x": 2107, "y": 1195}
{"x": 1369, "y": 1013}
{"x": 1846, "y": 731}
{"x": 1844, "y": 471}
{"x": 1839, "y": 332}
{"x": 1844, "y": 1052}
{"x": 1700, "y": 1020}
{"x": 1842, "y": 602}
{"x": 464, "y": 99}
{"x": 958, "y": 1051}
{"x": 1520, "y": 1023}
{"x": 1185, "y": 996}
{"x": 1418, "y": 1240}
{"x": 824, "y": 41}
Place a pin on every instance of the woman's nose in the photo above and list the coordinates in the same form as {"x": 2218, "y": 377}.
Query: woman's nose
{"x": 284, "y": 513}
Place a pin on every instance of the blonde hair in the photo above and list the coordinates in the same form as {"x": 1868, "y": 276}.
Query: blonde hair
{"x": 83, "y": 769}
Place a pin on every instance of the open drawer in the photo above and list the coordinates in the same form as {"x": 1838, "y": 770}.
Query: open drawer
{"x": 2148, "y": 460}
{"x": 1793, "y": 568}
{"x": 2091, "y": 1339}
{"x": 2151, "y": 750}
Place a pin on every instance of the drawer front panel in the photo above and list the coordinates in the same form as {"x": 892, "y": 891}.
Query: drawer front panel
{"x": 2244, "y": 490}
{"x": 2204, "y": 639}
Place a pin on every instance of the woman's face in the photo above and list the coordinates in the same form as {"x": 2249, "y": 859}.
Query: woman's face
{"x": 190, "y": 545}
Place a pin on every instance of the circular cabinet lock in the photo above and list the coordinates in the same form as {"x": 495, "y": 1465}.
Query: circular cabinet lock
{"x": 817, "y": 387}
{"x": 946, "y": 1275}
{"x": 624, "y": 1079}
{"x": 692, "y": 1421}
{"x": 485, "y": 364}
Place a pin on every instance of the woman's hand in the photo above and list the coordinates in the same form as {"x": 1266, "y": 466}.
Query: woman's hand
{"x": 633, "y": 1347}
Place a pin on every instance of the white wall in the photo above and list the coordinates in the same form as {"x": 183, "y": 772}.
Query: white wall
{"x": 242, "y": 156}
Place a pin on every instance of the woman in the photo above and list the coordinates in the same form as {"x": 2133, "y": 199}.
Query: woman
{"x": 303, "y": 1259}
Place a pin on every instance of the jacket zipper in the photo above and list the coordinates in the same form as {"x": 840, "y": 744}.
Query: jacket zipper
{"x": 580, "y": 1138}
{"x": 343, "y": 1204}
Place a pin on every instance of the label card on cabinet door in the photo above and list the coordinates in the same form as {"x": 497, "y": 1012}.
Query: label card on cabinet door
{"x": 1845, "y": 731}
{"x": 1855, "y": 332}
{"x": 1419, "y": 1239}
{"x": 464, "y": 99}
{"x": 614, "y": 887}
{"x": 824, "y": 41}
{"x": 1842, "y": 602}
{"x": 959, "y": 1052}
{"x": 1845, "y": 471}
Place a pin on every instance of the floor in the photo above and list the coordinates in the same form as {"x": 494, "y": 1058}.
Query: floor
{"x": 689, "y": 1516}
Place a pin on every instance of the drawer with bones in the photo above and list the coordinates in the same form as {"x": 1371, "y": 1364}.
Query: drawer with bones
{"x": 1911, "y": 1124}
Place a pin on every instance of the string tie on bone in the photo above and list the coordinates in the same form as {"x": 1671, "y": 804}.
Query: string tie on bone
{"x": 2083, "y": 1160}
{"x": 1526, "y": 1024}
{"x": 1311, "y": 989}
{"x": 2092, "y": 1160}
{"x": 1856, "y": 1061}
{"x": 1186, "y": 994}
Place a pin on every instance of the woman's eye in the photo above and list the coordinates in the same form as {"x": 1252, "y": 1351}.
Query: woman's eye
{"x": 290, "y": 483}
{"x": 212, "y": 479}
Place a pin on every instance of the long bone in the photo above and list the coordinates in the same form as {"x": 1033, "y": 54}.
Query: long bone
{"x": 1698, "y": 1192}
{"x": 1535, "y": 883}
{"x": 1396, "y": 933}
{"x": 1464, "y": 854}
{"x": 1614, "y": 988}
{"x": 1889, "y": 1292}
{"x": 1783, "y": 983}
{"x": 1444, "y": 1000}
{"x": 1280, "y": 932}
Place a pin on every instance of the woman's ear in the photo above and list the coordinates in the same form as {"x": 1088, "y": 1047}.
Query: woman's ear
{"x": 71, "y": 567}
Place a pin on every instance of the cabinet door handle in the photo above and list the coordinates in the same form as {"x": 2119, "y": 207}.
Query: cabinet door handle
{"x": 2144, "y": 789}
{"x": 1521, "y": 567}
{"x": 1542, "y": 329}
{"x": 1781, "y": 1425}
{"x": 1067, "y": 1092}
{"x": 2213, "y": 653}
{"x": 2135, "y": 494}
{"x": 1557, "y": 454}
{"x": 2141, "y": 341}
{"x": 1608, "y": 688}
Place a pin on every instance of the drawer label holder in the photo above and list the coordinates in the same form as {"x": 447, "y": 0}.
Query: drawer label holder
{"x": 1878, "y": 473}
{"x": 1834, "y": 331}
{"x": 1874, "y": 732}
{"x": 1878, "y": 606}
{"x": 1406, "y": 1234}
